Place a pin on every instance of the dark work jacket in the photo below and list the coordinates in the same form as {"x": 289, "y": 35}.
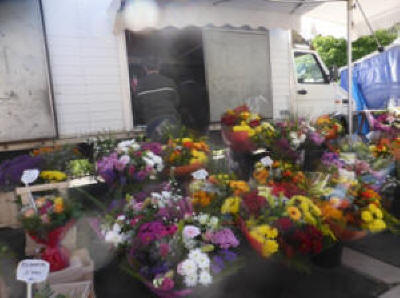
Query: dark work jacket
{"x": 156, "y": 98}
{"x": 194, "y": 106}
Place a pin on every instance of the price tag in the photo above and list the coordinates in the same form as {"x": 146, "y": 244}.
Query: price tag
{"x": 33, "y": 271}
{"x": 29, "y": 176}
{"x": 347, "y": 174}
{"x": 267, "y": 161}
{"x": 200, "y": 174}
{"x": 348, "y": 157}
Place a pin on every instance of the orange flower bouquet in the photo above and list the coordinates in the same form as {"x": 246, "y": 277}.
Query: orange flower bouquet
{"x": 185, "y": 155}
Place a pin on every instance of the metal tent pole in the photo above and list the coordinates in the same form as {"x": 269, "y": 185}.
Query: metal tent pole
{"x": 350, "y": 64}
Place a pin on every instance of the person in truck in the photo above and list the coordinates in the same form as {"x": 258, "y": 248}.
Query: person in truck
{"x": 157, "y": 101}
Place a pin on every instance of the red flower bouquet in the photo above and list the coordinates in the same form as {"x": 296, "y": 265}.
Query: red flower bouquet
{"x": 47, "y": 223}
{"x": 238, "y": 128}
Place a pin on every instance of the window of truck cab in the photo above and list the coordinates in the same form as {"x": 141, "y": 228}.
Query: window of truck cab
{"x": 308, "y": 69}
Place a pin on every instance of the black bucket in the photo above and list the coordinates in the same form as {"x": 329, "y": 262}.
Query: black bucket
{"x": 330, "y": 257}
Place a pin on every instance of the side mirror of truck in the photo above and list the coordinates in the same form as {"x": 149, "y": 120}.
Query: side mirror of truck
{"x": 333, "y": 73}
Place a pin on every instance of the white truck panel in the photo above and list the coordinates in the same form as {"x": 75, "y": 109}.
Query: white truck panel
{"x": 281, "y": 71}
{"x": 89, "y": 68}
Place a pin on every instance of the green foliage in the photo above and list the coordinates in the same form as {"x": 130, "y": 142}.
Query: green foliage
{"x": 46, "y": 292}
{"x": 80, "y": 168}
{"x": 366, "y": 44}
{"x": 333, "y": 51}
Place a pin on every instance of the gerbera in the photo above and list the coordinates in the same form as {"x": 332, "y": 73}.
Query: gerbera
{"x": 294, "y": 213}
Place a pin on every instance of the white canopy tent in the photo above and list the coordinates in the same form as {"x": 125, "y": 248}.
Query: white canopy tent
{"x": 330, "y": 18}
{"x": 150, "y": 14}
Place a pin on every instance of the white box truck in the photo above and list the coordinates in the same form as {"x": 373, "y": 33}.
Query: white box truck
{"x": 64, "y": 73}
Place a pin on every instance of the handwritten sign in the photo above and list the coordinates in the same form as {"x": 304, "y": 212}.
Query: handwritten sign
{"x": 33, "y": 271}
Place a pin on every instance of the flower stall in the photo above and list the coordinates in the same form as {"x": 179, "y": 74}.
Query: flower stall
{"x": 177, "y": 219}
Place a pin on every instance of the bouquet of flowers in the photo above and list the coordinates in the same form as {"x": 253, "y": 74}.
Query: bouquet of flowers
{"x": 324, "y": 129}
{"x": 238, "y": 128}
{"x": 289, "y": 228}
{"x": 47, "y": 222}
{"x": 283, "y": 177}
{"x": 353, "y": 208}
{"x": 186, "y": 155}
{"x": 290, "y": 137}
{"x": 169, "y": 247}
{"x": 131, "y": 165}
{"x": 387, "y": 122}
{"x": 219, "y": 195}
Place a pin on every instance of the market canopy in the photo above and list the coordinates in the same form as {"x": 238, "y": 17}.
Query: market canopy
{"x": 331, "y": 18}
{"x": 137, "y": 15}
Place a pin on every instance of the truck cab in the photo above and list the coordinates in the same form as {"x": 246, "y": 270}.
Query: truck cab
{"x": 315, "y": 90}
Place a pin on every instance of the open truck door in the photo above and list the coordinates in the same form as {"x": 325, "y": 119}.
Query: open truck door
{"x": 315, "y": 94}
{"x": 26, "y": 109}
{"x": 237, "y": 68}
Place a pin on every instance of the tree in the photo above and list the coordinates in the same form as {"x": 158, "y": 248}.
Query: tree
{"x": 333, "y": 51}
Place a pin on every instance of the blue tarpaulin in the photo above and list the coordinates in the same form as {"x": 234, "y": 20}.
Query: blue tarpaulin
{"x": 375, "y": 79}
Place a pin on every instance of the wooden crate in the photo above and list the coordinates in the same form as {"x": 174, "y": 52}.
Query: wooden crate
{"x": 24, "y": 192}
{"x": 4, "y": 291}
{"x": 8, "y": 210}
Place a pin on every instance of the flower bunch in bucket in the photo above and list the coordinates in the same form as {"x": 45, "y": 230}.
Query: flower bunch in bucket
{"x": 289, "y": 228}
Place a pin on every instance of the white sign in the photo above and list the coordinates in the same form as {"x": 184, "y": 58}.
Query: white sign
{"x": 348, "y": 157}
{"x": 33, "y": 271}
{"x": 29, "y": 176}
{"x": 347, "y": 174}
{"x": 200, "y": 174}
{"x": 267, "y": 161}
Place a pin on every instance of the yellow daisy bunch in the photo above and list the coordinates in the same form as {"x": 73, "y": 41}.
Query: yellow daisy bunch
{"x": 372, "y": 217}
{"x": 266, "y": 236}
{"x": 244, "y": 127}
{"x": 53, "y": 176}
{"x": 308, "y": 210}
